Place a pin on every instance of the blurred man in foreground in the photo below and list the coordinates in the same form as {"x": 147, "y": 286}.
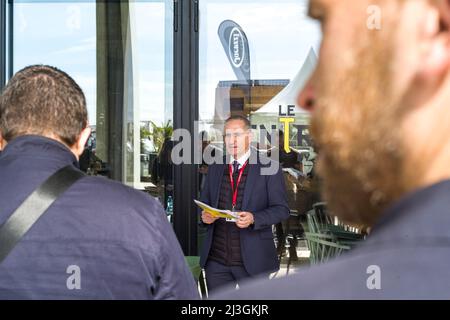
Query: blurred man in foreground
{"x": 381, "y": 118}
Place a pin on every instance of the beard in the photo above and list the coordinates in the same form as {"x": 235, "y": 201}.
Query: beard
{"x": 355, "y": 127}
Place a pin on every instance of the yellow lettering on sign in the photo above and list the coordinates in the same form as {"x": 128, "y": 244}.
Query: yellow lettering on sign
{"x": 286, "y": 122}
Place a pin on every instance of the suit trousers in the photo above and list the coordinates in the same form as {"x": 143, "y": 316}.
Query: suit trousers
{"x": 219, "y": 276}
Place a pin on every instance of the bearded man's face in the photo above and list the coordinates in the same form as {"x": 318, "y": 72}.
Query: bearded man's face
{"x": 361, "y": 156}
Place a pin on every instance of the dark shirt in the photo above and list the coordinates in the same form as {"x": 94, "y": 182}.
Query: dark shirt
{"x": 226, "y": 246}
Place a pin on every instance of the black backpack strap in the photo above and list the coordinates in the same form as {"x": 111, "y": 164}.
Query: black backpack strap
{"x": 12, "y": 231}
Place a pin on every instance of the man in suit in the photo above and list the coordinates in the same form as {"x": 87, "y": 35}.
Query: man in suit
{"x": 380, "y": 116}
{"x": 237, "y": 250}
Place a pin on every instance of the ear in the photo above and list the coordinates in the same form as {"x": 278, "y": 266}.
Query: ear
{"x": 436, "y": 41}
{"x": 78, "y": 147}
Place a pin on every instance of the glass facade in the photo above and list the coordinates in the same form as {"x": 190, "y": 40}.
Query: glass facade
{"x": 151, "y": 67}
{"x": 123, "y": 46}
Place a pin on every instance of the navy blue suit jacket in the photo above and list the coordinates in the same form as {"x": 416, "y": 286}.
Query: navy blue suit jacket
{"x": 265, "y": 198}
{"x": 407, "y": 256}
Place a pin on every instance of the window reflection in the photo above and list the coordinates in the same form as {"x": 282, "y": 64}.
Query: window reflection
{"x": 121, "y": 54}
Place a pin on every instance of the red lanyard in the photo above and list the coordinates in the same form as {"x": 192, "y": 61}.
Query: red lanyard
{"x": 235, "y": 190}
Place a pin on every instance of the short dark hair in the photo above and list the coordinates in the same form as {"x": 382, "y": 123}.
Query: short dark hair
{"x": 43, "y": 100}
{"x": 247, "y": 123}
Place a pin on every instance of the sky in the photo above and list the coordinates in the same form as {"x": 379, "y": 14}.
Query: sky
{"x": 279, "y": 34}
{"x": 63, "y": 34}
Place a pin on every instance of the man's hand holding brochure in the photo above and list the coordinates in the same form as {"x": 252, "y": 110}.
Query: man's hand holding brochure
{"x": 217, "y": 213}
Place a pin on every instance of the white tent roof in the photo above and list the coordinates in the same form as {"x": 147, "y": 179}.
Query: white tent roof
{"x": 288, "y": 96}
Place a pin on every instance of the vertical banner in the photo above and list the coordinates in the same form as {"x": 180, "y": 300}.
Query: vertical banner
{"x": 235, "y": 44}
